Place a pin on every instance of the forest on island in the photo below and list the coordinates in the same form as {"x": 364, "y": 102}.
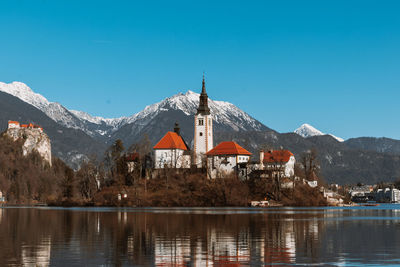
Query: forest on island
{"x": 111, "y": 181}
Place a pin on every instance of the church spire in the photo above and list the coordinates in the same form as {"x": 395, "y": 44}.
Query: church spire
{"x": 203, "y": 105}
{"x": 203, "y": 88}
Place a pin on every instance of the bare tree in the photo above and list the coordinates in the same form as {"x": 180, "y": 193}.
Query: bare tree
{"x": 114, "y": 162}
{"x": 309, "y": 163}
{"x": 142, "y": 149}
{"x": 88, "y": 179}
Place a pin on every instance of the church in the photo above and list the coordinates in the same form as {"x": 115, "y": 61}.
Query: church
{"x": 172, "y": 151}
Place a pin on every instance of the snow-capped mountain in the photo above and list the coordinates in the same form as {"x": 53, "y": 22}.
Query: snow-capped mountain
{"x": 224, "y": 113}
{"x": 93, "y": 126}
{"x": 306, "y": 130}
{"x": 84, "y": 116}
{"x": 154, "y": 120}
{"x": 92, "y": 135}
{"x": 54, "y": 110}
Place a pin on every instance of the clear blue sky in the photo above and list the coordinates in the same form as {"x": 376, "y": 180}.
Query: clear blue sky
{"x": 333, "y": 64}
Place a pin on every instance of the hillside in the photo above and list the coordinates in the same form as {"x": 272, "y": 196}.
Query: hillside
{"x": 382, "y": 144}
{"x": 76, "y": 134}
{"x": 28, "y": 179}
{"x": 339, "y": 162}
{"x": 68, "y": 144}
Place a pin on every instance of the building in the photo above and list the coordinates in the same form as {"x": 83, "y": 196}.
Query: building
{"x": 171, "y": 151}
{"x": 223, "y": 160}
{"x": 227, "y": 158}
{"x": 388, "y": 195}
{"x": 203, "y": 129}
{"x": 34, "y": 139}
{"x": 276, "y": 163}
{"x": 361, "y": 191}
{"x": 17, "y": 125}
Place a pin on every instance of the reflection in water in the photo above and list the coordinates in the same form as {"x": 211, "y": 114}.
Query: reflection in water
{"x": 38, "y": 255}
{"x": 112, "y": 237}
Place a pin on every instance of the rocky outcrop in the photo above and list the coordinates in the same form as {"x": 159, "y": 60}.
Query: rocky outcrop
{"x": 35, "y": 139}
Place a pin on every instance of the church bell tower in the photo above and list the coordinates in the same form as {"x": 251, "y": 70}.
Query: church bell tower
{"x": 203, "y": 128}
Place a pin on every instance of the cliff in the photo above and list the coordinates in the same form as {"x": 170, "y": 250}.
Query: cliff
{"x": 35, "y": 139}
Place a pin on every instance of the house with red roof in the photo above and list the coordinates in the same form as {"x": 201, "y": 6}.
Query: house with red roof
{"x": 17, "y": 125}
{"x": 277, "y": 162}
{"x": 227, "y": 158}
{"x": 172, "y": 151}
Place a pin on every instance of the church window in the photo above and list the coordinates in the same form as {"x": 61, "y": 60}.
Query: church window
{"x": 201, "y": 134}
{"x": 209, "y": 121}
{"x": 201, "y": 122}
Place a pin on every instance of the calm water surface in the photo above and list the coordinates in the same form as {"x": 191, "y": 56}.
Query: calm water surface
{"x": 200, "y": 237}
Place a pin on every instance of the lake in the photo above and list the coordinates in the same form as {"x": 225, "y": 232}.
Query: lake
{"x": 353, "y": 236}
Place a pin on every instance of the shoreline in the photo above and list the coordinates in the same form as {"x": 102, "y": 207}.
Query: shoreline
{"x": 187, "y": 207}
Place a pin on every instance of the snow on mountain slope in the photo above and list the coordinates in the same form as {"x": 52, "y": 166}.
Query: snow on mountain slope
{"x": 223, "y": 112}
{"x": 58, "y": 113}
{"x": 54, "y": 110}
{"x": 337, "y": 138}
{"x": 98, "y": 120}
{"x": 306, "y": 130}
{"x": 23, "y": 92}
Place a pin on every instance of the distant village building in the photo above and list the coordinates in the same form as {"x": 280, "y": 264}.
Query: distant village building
{"x": 203, "y": 129}
{"x": 333, "y": 198}
{"x": 227, "y": 158}
{"x": 387, "y": 195}
{"x": 35, "y": 138}
{"x": 276, "y": 163}
{"x": 361, "y": 191}
{"x": 171, "y": 151}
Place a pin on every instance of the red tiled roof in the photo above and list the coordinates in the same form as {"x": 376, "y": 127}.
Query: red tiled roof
{"x": 277, "y": 156}
{"x": 171, "y": 140}
{"x": 228, "y": 148}
{"x": 30, "y": 125}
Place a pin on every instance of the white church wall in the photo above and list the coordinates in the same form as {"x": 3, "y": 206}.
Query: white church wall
{"x": 221, "y": 166}
{"x": 171, "y": 158}
{"x": 289, "y": 167}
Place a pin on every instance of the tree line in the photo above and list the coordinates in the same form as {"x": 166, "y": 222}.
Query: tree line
{"x": 119, "y": 180}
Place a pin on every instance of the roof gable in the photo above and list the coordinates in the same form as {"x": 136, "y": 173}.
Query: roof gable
{"x": 228, "y": 148}
{"x": 171, "y": 140}
{"x": 277, "y": 156}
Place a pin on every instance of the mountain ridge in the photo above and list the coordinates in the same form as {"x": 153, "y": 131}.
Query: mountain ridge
{"x": 355, "y": 160}
{"x": 99, "y": 127}
{"x": 306, "y": 130}
{"x": 71, "y": 145}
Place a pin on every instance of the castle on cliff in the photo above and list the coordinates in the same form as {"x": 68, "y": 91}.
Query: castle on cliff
{"x": 35, "y": 139}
